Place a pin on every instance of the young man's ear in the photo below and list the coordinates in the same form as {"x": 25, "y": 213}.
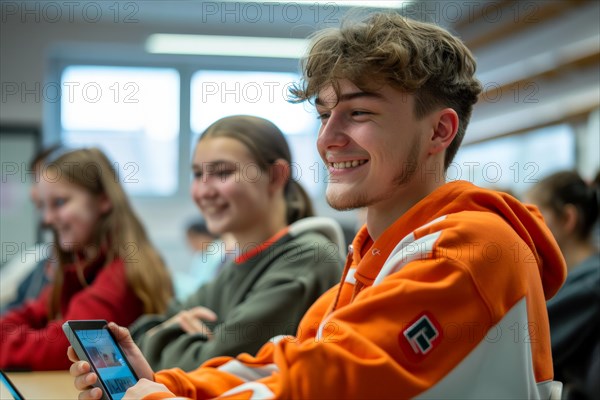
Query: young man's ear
{"x": 279, "y": 174}
{"x": 445, "y": 127}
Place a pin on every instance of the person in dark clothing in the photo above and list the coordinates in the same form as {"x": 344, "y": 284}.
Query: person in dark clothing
{"x": 570, "y": 207}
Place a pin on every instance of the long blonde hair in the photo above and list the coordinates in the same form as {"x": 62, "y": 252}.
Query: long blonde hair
{"x": 119, "y": 233}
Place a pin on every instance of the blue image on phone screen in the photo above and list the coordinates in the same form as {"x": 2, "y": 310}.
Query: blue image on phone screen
{"x": 108, "y": 361}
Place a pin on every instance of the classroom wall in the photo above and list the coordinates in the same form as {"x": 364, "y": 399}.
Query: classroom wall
{"x": 29, "y": 38}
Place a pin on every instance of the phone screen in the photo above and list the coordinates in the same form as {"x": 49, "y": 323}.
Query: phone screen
{"x": 108, "y": 361}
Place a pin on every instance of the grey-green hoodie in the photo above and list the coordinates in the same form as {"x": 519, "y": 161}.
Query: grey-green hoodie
{"x": 255, "y": 299}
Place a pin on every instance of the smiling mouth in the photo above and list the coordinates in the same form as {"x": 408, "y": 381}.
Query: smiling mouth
{"x": 347, "y": 164}
{"x": 213, "y": 208}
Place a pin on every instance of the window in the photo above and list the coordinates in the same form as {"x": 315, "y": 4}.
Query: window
{"x": 216, "y": 94}
{"x": 516, "y": 162}
{"x": 132, "y": 114}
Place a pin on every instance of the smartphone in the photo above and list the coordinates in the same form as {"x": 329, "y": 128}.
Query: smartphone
{"x": 12, "y": 389}
{"x": 95, "y": 343}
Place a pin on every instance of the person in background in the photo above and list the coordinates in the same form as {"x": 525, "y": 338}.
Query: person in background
{"x": 570, "y": 207}
{"x": 205, "y": 263}
{"x": 23, "y": 277}
{"x": 285, "y": 257}
{"x": 198, "y": 237}
{"x": 432, "y": 285}
{"x": 106, "y": 266}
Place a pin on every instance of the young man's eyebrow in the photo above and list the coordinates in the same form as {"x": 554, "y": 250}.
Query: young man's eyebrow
{"x": 352, "y": 96}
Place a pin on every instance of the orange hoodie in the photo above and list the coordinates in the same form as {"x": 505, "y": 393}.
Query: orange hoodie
{"x": 448, "y": 302}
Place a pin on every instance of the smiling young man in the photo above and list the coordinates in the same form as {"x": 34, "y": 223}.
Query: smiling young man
{"x": 443, "y": 294}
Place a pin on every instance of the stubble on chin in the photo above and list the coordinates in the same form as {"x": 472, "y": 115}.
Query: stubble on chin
{"x": 345, "y": 201}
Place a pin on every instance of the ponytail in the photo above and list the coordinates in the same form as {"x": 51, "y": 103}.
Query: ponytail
{"x": 567, "y": 187}
{"x": 297, "y": 201}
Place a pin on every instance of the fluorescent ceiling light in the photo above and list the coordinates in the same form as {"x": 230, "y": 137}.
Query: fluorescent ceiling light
{"x": 343, "y": 3}
{"x": 241, "y": 46}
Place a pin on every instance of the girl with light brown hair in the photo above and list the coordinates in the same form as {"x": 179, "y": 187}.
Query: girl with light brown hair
{"x": 107, "y": 267}
{"x": 285, "y": 258}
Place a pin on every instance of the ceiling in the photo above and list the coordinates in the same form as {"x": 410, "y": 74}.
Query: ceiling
{"x": 538, "y": 60}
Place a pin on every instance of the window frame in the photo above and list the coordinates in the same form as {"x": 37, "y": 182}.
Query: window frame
{"x": 129, "y": 56}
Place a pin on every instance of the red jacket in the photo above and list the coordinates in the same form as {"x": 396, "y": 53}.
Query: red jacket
{"x": 30, "y": 341}
{"x": 448, "y": 303}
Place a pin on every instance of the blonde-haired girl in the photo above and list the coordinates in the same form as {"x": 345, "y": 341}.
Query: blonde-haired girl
{"x": 107, "y": 267}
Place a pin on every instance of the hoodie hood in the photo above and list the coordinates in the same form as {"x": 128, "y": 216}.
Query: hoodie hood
{"x": 328, "y": 227}
{"x": 459, "y": 196}
{"x": 324, "y": 226}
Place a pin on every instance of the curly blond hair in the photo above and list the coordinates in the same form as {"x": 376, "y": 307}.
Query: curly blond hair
{"x": 388, "y": 48}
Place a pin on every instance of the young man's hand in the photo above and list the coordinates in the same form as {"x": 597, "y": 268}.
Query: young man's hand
{"x": 143, "y": 388}
{"x": 85, "y": 378}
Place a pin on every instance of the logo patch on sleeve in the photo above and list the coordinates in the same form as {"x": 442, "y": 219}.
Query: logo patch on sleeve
{"x": 422, "y": 335}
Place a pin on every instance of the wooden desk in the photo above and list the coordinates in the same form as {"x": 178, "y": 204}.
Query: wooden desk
{"x": 47, "y": 385}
